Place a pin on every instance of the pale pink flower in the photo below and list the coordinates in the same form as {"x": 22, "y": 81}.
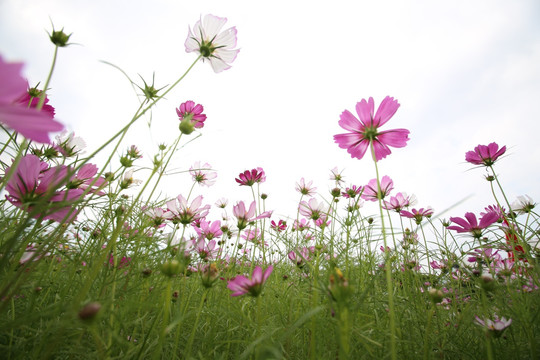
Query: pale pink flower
{"x": 241, "y": 285}
{"x": 336, "y": 176}
{"x": 495, "y": 326}
{"x": 245, "y": 216}
{"x": 399, "y": 202}
{"x": 159, "y": 216}
{"x": 485, "y": 154}
{"x": 371, "y": 191}
{"x": 211, "y": 43}
{"x": 209, "y": 230}
{"x": 313, "y": 210}
{"x": 222, "y": 203}
{"x": 185, "y": 213}
{"x": 206, "y": 251}
{"x": 68, "y": 144}
{"x": 305, "y": 189}
{"x": 29, "y": 122}
{"x": 523, "y": 204}
{"x": 366, "y": 131}
{"x": 203, "y": 175}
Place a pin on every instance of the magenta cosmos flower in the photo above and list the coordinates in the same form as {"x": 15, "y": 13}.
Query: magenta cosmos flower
{"x": 29, "y": 122}
{"x": 30, "y": 189}
{"x": 241, "y": 285}
{"x": 250, "y": 177}
{"x": 417, "y": 214}
{"x": 211, "y": 43}
{"x": 471, "y": 225}
{"x": 191, "y": 116}
{"x": 485, "y": 154}
{"x": 371, "y": 191}
{"x": 366, "y": 131}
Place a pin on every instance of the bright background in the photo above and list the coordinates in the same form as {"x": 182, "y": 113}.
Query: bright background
{"x": 465, "y": 72}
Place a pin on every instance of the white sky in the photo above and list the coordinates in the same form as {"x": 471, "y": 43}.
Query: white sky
{"x": 465, "y": 73}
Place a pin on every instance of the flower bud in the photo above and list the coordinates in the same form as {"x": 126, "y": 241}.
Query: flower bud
{"x": 59, "y": 38}
{"x": 89, "y": 311}
{"x": 435, "y": 295}
{"x": 171, "y": 268}
{"x": 186, "y": 126}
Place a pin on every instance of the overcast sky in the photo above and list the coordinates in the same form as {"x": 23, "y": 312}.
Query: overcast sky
{"x": 464, "y": 72}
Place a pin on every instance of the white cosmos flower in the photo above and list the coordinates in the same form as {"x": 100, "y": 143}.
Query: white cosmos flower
{"x": 207, "y": 40}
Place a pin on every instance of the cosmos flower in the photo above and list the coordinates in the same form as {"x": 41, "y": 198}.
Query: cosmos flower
{"x": 495, "y": 326}
{"x": 29, "y": 122}
{"x": 523, "y": 204}
{"x": 203, "y": 175}
{"x": 399, "y": 202}
{"x": 214, "y": 45}
{"x": 313, "y": 210}
{"x": 241, "y": 285}
{"x": 471, "y": 225}
{"x": 245, "y": 216}
{"x": 305, "y": 189}
{"x": 417, "y": 214}
{"x": 366, "y": 131}
{"x": 251, "y": 177}
{"x": 371, "y": 192}
{"x": 485, "y": 154}
{"x": 185, "y": 213}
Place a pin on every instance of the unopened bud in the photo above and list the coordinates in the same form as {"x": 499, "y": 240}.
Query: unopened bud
{"x": 89, "y": 311}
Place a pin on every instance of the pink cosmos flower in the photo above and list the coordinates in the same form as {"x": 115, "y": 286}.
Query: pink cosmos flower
{"x": 305, "y": 189}
{"x": 485, "y": 154}
{"x": 250, "y": 177}
{"x": 313, "y": 210}
{"x": 495, "y": 326}
{"x": 84, "y": 179}
{"x": 301, "y": 225}
{"x": 188, "y": 111}
{"x": 417, "y": 214}
{"x": 159, "y": 216}
{"x": 471, "y": 225}
{"x": 350, "y": 193}
{"x": 32, "y": 185}
{"x": 30, "y": 99}
{"x": 29, "y": 122}
{"x": 206, "y": 251}
{"x": 241, "y": 285}
{"x": 209, "y": 230}
{"x": 186, "y": 214}
{"x": 254, "y": 236}
{"x": 299, "y": 256}
{"x": 366, "y": 131}
{"x": 244, "y": 217}
{"x": 371, "y": 191}
{"x": 336, "y": 176}
{"x": 500, "y": 211}
{"x": 213, "y": 45}
{"x": 203, "y": 174}
{"x": 399, "y": 202}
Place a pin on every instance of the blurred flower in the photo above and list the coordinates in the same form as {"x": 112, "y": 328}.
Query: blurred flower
{"x": 32, "y": 185}
{"x": 209, "y": 230}
{"x": 399, "y": 202}
{"x": 250, "y": 177}
{"x": 496, "y": 209}
{"x": 84, "y": 179}
{"x": 471, "y": 225}
{"x": 523, "y": 204}
{"x": 30, "y": 99}
{"x": 417, "y": 215}
{"x": 366, "y": 131}
{"x": 206, "y": 251}
{"x": 241, "y": 285}
{"x": 203, "y": 175}
{"x": 371, "y": 191}
{"x": 495, "y": 326}
{"x": 29, "y": 122}
{"x": 304, "y": 189}
{"x": 68, "y": 144}
{"x": 350, "y": 193}
{"x": 222, "y": 203}
{"x": 485, "y": 154}
{"x": 336, "y": 176}
{"x": 213, "y": 45}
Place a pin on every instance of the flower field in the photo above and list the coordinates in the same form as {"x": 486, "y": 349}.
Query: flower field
{"x": 98, "y": 261}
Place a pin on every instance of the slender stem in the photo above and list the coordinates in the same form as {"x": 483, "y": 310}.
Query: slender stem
{"x": 387, "y": 264}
